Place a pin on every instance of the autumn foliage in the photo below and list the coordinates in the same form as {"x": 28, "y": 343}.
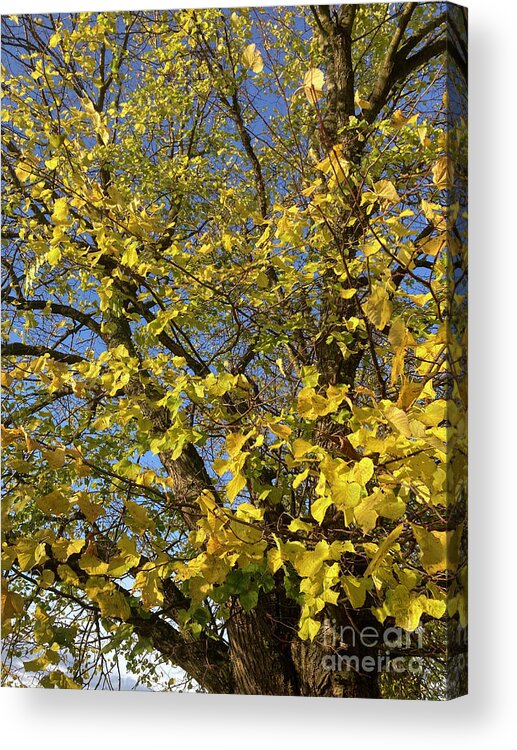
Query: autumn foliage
{"x": 234, "y": 347}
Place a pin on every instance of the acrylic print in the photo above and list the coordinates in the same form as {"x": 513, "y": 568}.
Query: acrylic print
{"x": 234, "y": 350}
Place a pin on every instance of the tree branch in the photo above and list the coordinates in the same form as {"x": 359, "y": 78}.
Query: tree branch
{"x": 383, "y": 81}
{"x": 57, "y": 309}
{"x": 18, "y": 349}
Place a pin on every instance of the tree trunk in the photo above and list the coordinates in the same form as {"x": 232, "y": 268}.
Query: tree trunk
{"x": 268, "y": 658}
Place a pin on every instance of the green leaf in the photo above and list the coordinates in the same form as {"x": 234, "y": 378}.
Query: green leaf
{"x": 249, "y": 599}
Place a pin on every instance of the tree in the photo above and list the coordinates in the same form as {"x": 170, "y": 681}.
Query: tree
{"x": 234, "y": 334}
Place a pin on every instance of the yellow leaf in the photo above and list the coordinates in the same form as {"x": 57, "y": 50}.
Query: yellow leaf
{"x": 409, "y": 392}
{"x": 21, "y": 466}
{"x": 262, "y": 280}
{"x": 149, "y": 582}
{"x": 298, "y": 525}
{"x": 355, "y": 589}
{"x": 55, "y": 458}
{"x": 54, "y": 39}
{"x": 362, "y": 471}
{"x": 235, "y": 442}
{"x": 10, "y": 435}
{"x": 421, "y": 299}
{"x": 360, "y": 102}
{"x": 140, "y": 516}
{"x": 397, "y": 335}
{"x": 439, "y": 549}
{"x": 433, "y": 245}
{"x": 274, "y": 559}
{"x": 399, "y": 419}
{"x": 113, "y": 604}
{"x": 346, "y": 494}
{"x": 398, "y": 119}
{"x": 235, "y": 486}
{"x": 62, "y": 549}
{"x": 319, "y": 508}
{"x": 46, "y": 579}
{"x": 81, "y": 469}
{"x": 281, "y": 430}
{"x": 60, "y": 212}
{"x": 91, "y": 510}
{"x": 248, "y": 512}
{"x": 297, "y": 481}
{"x": 309, "y": 628}
{"x": 407, "y": 609}
{"x": 300, "y": 447}
{"x": 335, "y": 165}
{"x": 443, "y": 173}
{"x": 308, "y": 563}
{"x": 104, "y": 133}
{"x": 12, "y": 605}
{"x": 378, "y": 307}
{"x": 92, "y": 565}
{"x": 215, "y": 569}
{"x": 121, "y": 564}
{"x": 370, "y": 248}
{"x": 383, "y": 550}
{"x": 422, "y": 135}
{"x": 220, "y": 466}
{"x": 54, "y": 256}
{"x": 130, "y": 257}
{"x": 23, "y": 171}
{"x": 68, "y": 575}
{"x": 6, "y": 379}
{"x": 313, "y": 83}
{"x": 53, "y": 504}
{"x": 30, "y": 553}
{"x": 252, "y": 58}
{"x": 385, "y": 189}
